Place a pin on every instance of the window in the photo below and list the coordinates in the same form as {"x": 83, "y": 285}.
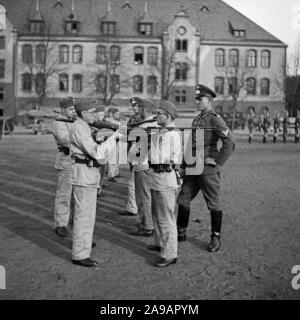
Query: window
{"x": 239, "y": 33}
{"x": 101, "y": 83}
{"x": 265, "y": 59}
{"x": 232, "y": 85}
{"x": 40, "y": 83}
{"x": 1, "y": 97}
{"x": 152, "y": 56}
{"x": 77, "y": 54}
{"x": 101, "y": 54}
{"x": 27, "y": 53}
{"x": 26, "y": 82}
{"x": 2, "y": 69}
{"x": 181, "y": 70}
{"x": 233, "y": 58}
{"x": 40, "y": 53}
{"x": 36, "y": 27}
{"x": 72, "y": 27}
{"x": 63, "y": 54}
{"x": 138, "y": 84}
{"x": 108, "y": 27}
{"x": 77, "y": 83}
{"x": 180, "y": 96}
{"x": 115, "y": 83}
{"x": 145, "y": 29}
{"x": 251, "y": 86}
{"x": 181, "y": 45}
{"x": 138, "y": 55}
{"x": 251, "y": 59}
{"x": 219, "y": 57}
{"x": 63, "y": 82}
{"x": 151, "y": 85}
{"x": 219, "y": 85}
{"x": 265, "y": 86}
{"x": 2, "y": 42}
{"x": 115, "y": 54}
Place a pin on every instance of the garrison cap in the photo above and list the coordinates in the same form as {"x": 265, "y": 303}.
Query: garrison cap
{"x": 143, "y": 103}
{"x": 100, "y": 108}
{"x": 85, "y": 105}
{"x": 66, "y": 102}
{"x": 203, "y": 91}
{"x": 169, "y": 107}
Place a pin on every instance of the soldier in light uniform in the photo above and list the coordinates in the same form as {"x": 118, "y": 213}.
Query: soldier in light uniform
{"x": 87, "y": 155}
{"x": 165, "y": 153}
{"x": 276, "y": 126}
{"x": 147, "y": 109}
{"x": 61, "y": 133}
{"x": 209, "y": 180}
{"x": 265, "y": 124}
{"x": 251, "y": 124}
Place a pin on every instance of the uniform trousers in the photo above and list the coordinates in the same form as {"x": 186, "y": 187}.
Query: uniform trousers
{"x": 131, "y": 202}
{"x": 62, "y": 205}
{"x": 164, "y": 220}
{"x": 84, "y": 221}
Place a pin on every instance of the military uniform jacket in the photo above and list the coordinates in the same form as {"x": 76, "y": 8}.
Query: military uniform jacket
{"x": 61, "y": 133}
{"x": 211, "y": 119}
{"x": 83, "y": 145}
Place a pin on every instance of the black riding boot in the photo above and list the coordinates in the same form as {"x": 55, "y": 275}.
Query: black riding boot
{"x": 182, "y": 221}
{"x": 216, "y": 224}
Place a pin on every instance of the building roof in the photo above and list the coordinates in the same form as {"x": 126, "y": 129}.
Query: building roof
{"x": 213, "y": 18}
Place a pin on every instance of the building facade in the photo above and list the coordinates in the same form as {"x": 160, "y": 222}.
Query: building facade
{"x": 113, "y": 50}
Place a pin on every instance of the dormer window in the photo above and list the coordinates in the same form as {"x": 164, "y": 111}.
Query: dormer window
{"x": 145, "y": 29}
{"x": 108, "y": 27}
{"x": 239, "y": 33}
{"x": 72, "y": 27}
{"x": 36, "y": 26}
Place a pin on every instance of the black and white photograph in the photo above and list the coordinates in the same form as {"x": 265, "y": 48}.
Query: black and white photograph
{"x": 149, "y": 151}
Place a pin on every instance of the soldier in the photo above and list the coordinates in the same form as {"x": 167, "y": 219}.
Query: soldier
{"x": 209, "y": 180}
{"x": 297, "y": 128}
{"x": 251, "y": 123}
{"x": 285, "y": 126}
{"x": 265, "y": 124}
{"x": 165, "y": 154}
{"x": 147, "y": 109}
{"x": 276, "y": 126}
{"x": 87, "y": 155}
{"x": 61, "y": 133}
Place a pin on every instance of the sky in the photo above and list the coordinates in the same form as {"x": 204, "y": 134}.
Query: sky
{"x": 280, "y": 18}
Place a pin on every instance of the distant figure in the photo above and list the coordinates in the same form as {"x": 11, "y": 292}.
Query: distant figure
{"x": 265, "y": 124}
{"x": 276, "y": 126}
{"x": 297, "y": 127}
{"x": 285, "y": 125}
{"x": 251, "y": 121}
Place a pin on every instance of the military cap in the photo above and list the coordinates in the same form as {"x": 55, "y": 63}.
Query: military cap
{"x": 100, "y": 108}
{"x": 203, "y": 91}
{"x": 143, "y": 103}
{"x": 169, "y": 107}
{"x": 85, "y": 105}
{"x": 66, "y": 102}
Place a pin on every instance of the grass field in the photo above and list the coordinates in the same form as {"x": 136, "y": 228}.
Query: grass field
{"x": 260, "y": 239}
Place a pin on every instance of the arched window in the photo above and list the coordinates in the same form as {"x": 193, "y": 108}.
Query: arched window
{"x": 115, "y": 83}
{"x": 64, "y": 54}
{"x": 101, "y": 54}
{"x": 265, "y": 59}
{"x": 27, "y": 53}
{"x": 181, "y": 45}
{"x": 265, "y": 86}
{"x": 115, "y": 52}
{"x": 138, "y": 55}
{"x": 251, "y": 86}
{"x": 151, "y": 85}
{"x": 152, "y": 56}
{"x": 63, "y": 82}
{"x": 233, "y": 58}
{"x": 40, "y": 53}
{"x": 77, "y": 83}
{"x": 251, "y": 58}
{"x": 138, "y": 84}
{"x": 219, "y": 85}
{"x": 26, "y": 82}
{"x": 220, "y": 57}
{"x": 77, "y": 54}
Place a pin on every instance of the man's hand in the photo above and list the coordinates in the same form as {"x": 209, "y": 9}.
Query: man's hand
{"x": 210, "y": 162}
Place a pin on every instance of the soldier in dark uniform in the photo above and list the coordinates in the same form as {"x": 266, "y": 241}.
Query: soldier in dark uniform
{"x": 276, "y": 126}
{"x": 297, "y": 128}
{"x": 209, "y": 180}
{"x": 285, "y": 126}
{"x": 265, "y": 124}
{"x": 251, "y": 124}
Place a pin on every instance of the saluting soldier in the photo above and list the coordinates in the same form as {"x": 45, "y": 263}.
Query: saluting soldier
{"x": 209, "y": 180}
{"x": 276, "y": 126}
{"x": 87, "y": 155}
{"x": 63, "y": 163}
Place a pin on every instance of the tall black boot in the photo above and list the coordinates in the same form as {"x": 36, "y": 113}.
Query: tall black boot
{"x": 274, "y": 139}
{"x": 216, "y": 224}
{"x": 264, "y": 139}
{"x": 182, "y": 221}
{"x": 249, "y": 139}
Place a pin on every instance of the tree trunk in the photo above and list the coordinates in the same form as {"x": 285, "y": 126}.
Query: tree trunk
{"x": 234, "y": 115}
